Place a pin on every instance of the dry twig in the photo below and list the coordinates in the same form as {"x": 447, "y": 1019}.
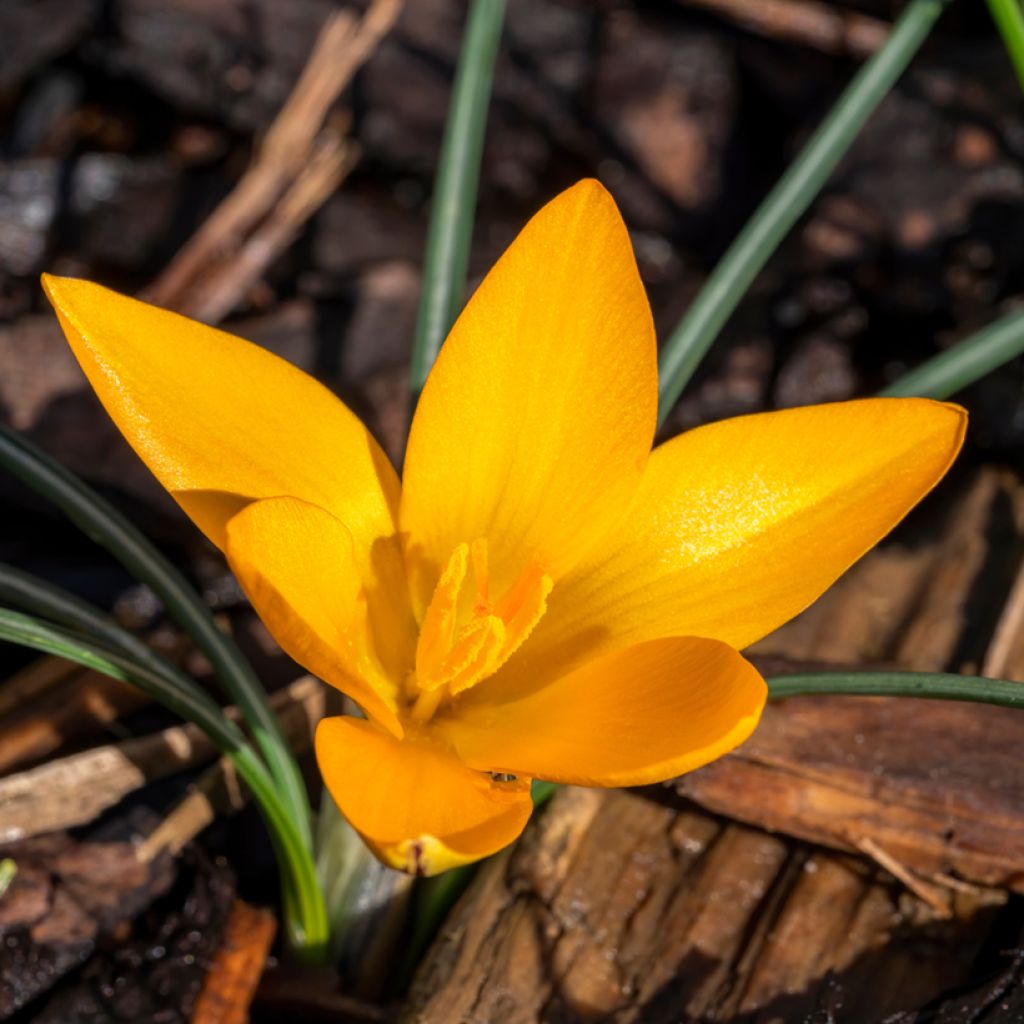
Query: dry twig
{"x": 931, "y": 895}
{"x": 32, "y": 681}
{"x": 73, "y": 790}
{"x": 303, "y": 158}
{"x": 219, "y": 789}
{"x": 1007, "y": 645}
{"x": 808, "y": 22}
{"x": 74, "y": 704}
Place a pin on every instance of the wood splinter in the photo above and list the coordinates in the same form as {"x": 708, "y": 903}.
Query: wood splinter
{"x": 237, "y": 967}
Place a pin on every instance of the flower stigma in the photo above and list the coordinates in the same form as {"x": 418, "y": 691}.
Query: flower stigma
{"x": 466, "y": 635}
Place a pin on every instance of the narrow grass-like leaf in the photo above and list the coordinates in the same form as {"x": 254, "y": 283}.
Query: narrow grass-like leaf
{"x": 926, "y": 685}
{"x": 302, "y": 891}
{"x": 182, "y": 697}
{"x": 455, "y": 187}
{"x": 8, "y": 870}
{"x": 109, "y": 528}
{"x": 788, "y": 200}
{"x": 31, "y": 594}
{"x": 967, "y": 361}
{"x": 1009, "y": 18}
{"x": 541, "y": 792}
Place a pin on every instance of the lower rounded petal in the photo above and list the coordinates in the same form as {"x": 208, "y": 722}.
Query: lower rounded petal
{"x": 536, "y": 422}
{"x": 416, "y": 805}
{"x": 641, "y": 715}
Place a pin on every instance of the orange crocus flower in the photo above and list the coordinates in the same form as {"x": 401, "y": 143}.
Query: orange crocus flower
{"x": 541, "y": 596}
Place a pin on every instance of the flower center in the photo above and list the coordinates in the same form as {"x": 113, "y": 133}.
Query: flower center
{"x": 466, "y": 636}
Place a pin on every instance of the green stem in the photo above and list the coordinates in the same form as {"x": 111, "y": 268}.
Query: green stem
{"x": 788, "y": 200}
{"x": 299, "y": 880}
{"x": 184, "y": 698}
{"x": 436, "y": 896}
{"x": 1009, "y": 19}
{"x": 434, "y": 899}
{"x": 455, "y": 188}
{"x": 927, "y": 685}
{"x": 965, "y": 362}
{"x": 109, "y": 528}
{"x": 342, "y": 863}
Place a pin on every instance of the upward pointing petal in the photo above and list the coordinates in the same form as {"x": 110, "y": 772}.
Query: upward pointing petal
{"x": 537, "y": 419}
{"x": 221, "y": 422}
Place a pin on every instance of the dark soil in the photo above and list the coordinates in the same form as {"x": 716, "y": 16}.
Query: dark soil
{"x": 90, "y": 934}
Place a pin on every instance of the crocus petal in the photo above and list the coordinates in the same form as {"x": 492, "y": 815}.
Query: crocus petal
{"x": 740, "y": 525}
{"x": 418, "y": 807}
{"x": 536, "y": 422}
{"x": 641, "y": 715}
{"x": 220, "y": 421}
{"x": 296, "y": 564}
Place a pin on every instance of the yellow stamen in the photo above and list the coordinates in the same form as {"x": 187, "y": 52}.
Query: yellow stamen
{"x": 437, "y": 632}
{"x": 478, "y": 552}
{"x": 488, "y": 636}
{"x": 524, "y": 604}
{"x": 452, "y": 656}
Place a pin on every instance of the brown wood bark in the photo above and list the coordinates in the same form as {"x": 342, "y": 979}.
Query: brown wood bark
{"x": 938, "y": 786}
{"x": 82, "y": 704}
{"x": 643, "y": 907}
{"x": 808, "y": 22}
